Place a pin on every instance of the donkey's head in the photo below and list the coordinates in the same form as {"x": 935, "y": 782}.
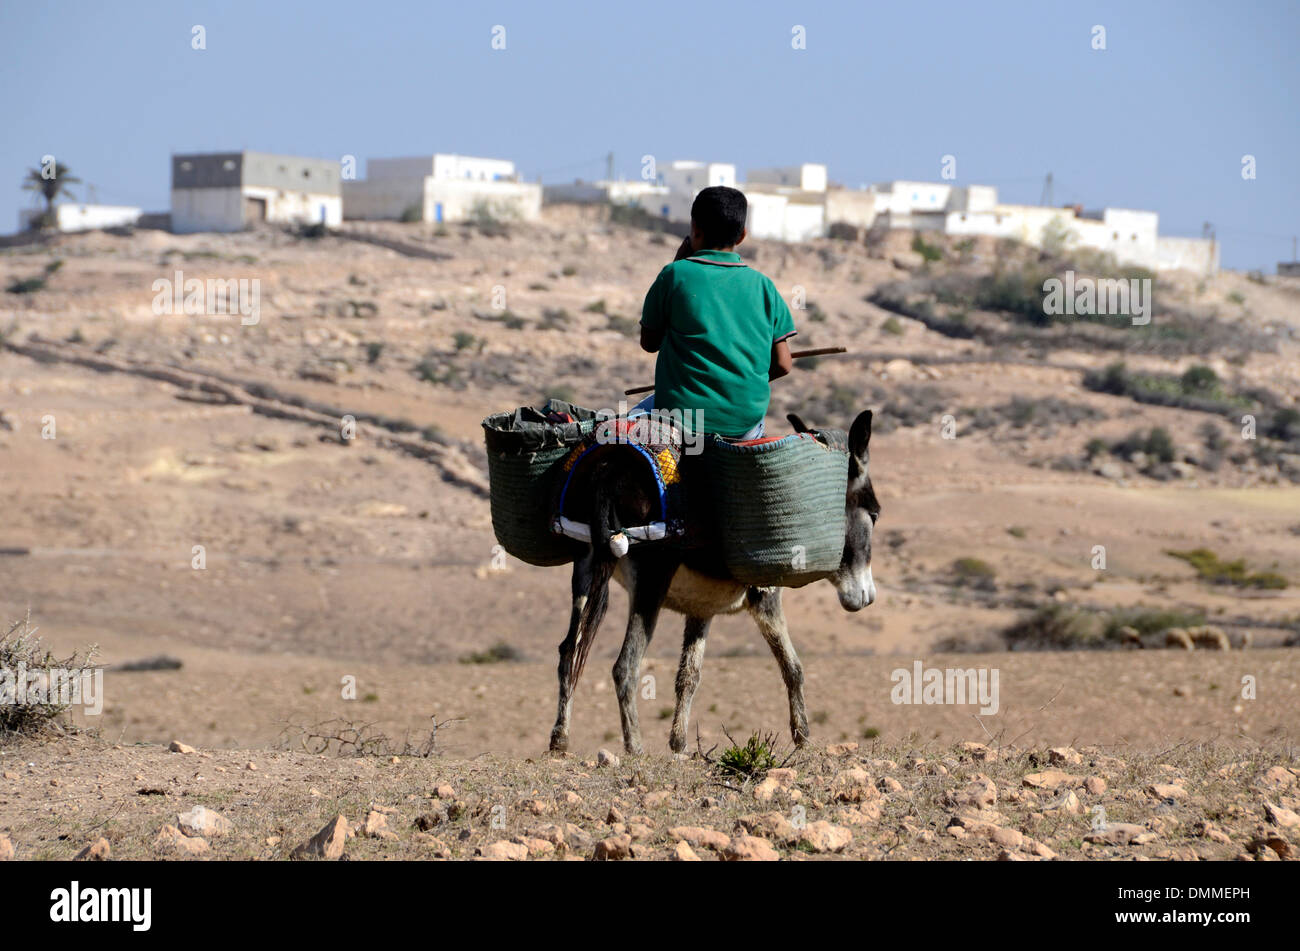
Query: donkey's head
{"x": 852, "y": 579}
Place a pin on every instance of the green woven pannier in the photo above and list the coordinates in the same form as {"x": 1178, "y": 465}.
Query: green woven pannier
{"x": 780, "y": 506}
{"x": 525, "y": 452}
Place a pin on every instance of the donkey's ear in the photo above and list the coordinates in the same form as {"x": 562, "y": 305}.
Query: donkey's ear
{"x": 860, "y": 434}
{"x": 799, "y": 425}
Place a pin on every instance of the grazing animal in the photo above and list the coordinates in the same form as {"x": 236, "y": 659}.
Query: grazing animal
{"x": 693, "y": 583}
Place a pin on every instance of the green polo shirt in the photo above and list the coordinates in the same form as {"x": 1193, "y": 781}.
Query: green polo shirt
{"x": 719, "y": 322}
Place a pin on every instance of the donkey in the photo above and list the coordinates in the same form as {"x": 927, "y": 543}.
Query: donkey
{"x": 694, "y": 583}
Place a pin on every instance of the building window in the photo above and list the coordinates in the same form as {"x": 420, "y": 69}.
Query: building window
{"x": 306, "y": 173}
{"x": 187, "y": 166}
{"x": 228, "y": 165}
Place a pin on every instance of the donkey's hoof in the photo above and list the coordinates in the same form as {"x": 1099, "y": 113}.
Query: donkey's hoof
{"x": 559, "y": 744}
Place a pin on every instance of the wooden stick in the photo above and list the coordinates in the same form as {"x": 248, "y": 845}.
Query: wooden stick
{"x": 797, "y": 355}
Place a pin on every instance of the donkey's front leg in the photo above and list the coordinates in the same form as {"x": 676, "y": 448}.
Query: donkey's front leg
{"x": 688, "y": 678}
{"x": 581, "y": 581}
{"x": 765, "y": 606}
{"x": 648, "y": 580}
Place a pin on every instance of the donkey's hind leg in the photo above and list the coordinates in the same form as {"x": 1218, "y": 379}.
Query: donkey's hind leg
{"x": 765, "y": 607}
{"x": 688, "y": 678}
{"x": 581, "y": 581}
{"x": 648, "y": 581}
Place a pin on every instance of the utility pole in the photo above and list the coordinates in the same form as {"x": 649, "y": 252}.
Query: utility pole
{"x": 1046, "y": 200}
{"x": 609, "y": 167}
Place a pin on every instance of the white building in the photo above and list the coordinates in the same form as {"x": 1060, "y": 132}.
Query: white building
{"x": 230, "y": 191}
{"x": 441, "y": 188}
{"x": 646, "y": 194}
{"x": 72, "y": 216}
{"x": 809, "y": 177}
{"x": 1131, "y": 236}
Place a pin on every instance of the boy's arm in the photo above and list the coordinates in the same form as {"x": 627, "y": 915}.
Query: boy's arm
{"x": 782, "y": 361}
{"x": 654, "y": 317}
{"x": 651, "y": 339}
{"x": 782, "y": 330}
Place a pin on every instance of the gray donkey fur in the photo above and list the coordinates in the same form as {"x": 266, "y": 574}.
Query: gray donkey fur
{"x": 692, "y": 583}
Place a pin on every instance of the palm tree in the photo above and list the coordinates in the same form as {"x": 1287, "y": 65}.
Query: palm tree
{"x": 50, "y": 188}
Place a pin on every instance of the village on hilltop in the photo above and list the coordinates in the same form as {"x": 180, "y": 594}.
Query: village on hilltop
{"x": 231, "y": 191}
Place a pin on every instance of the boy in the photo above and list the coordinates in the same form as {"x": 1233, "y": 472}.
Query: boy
{"x": 720, "y": 327}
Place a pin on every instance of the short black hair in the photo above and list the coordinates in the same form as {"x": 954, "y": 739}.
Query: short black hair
{"x": 720, "y": 212}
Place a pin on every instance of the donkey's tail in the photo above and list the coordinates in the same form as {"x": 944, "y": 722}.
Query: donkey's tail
{"x": 604, "y": 558}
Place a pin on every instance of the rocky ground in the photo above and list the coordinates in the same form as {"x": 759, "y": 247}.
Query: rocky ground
{"x": 128, "y": 438}
{"x": 850, "y": 800}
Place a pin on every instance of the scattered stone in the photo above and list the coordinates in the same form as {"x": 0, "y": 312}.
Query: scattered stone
{"x": 444, "y": 791}
{"x": 328, "y": 843}
{"x": 821, "y": 836}
{"x": 841, "y": 749}
{"x": 535, "y": 846}
{"x": 979, "y": 751}
{"x": 170, "y": 840}
{"x": 1120, "y": 833}
{"x": 177, "y": 746}
{"x": 1166, "y": 791}
{"x": 538, "y": 807}
{"x": 699, "y": 837}
{"x": 1051, "y": 779}
{"x": 570, "y": 798}
{"x": 1064, "y": 756}
{"x": 749, "y": 848}
{"x": 770, "y": 825}
{"x": 1207, "y": 830}
{"x": 97, "y": 851}
{"x": 1279, "y": 816}
{"x": 606, "y": 758}
{"x": 656, "y": 799}
{"x": 6, "y": 848}
{"x": 684, "y": 853}
{"x": 1069, "y": 804}
{"x": 891, "y": 785}
{"x": 612, "y": 849}
{"x": 1095, "y": 785}
{"x": 202, "y": 821}
{"x": 978, "y": 793}
{"x": 1278, "y": 777}
{"x": 504, "y": 852}
{"x": 429, "y": 820}
{"x": 853, "y": 785}
{"x": 1261, "y": 844}
{"x": 436, "y": 846}
{"x": 375, "y": 826}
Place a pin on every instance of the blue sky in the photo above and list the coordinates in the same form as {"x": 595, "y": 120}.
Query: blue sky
{"x": 1159, "y": 120}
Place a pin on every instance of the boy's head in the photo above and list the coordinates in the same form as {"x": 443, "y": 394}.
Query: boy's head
{"x": 718, "y": 218}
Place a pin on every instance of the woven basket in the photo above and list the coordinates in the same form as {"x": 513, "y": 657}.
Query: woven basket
{"x": 780, "y": 506}
{"x": 525, "y": 454}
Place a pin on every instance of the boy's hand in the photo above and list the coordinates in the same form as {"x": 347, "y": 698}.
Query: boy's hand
{"x": 684, "y": 250}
